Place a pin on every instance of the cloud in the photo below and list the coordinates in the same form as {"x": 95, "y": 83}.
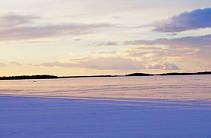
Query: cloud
{"x": 164, "y": 66}
{"x": 32, "y": 32}
{"x": 170, "y": 66}
{"x": 103, "y": 53}
{"x": 15, "y": 63}
{"x": 103, "y": 44}
{"x": 2, "y": 65}
{"x": 111, "y": 63}
{"x": 196, "y": 19}
{"x": 191, "y": 41}
{"x": 161, "y": 49}
{"x": 116, "y": 17}
{"x": 35, "y": 42}
{"x": 19, "y": 27}
{"x": 159, "y": 57}
{"x": 12, "y": 19}
{"x": 78, "y": 39}
{"x": 185, "y": 50}
{"x": 110, "y": 43}
{"x": 101, "y": 63}
{"x": 58, "y": 64}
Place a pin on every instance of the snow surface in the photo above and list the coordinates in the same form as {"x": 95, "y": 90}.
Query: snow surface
{"x": 182, "y": 110}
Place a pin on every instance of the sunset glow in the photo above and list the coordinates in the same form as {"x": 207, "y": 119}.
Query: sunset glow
{"x": 68, "y": 37}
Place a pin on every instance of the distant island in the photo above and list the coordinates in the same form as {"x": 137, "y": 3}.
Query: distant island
{"x": 28, "y": 77}
{"x": 48, "y": 77}
{"x": 139, "y": 74}
{"x": 132, "y": 74}
{"x": 197, "y": 73}
{"x": 166, "y": 74}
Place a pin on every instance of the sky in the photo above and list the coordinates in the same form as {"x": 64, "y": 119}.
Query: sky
{"x": 98, "y": 37}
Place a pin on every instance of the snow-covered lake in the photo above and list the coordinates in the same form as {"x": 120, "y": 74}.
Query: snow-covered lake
{"x": 146, "y": 107}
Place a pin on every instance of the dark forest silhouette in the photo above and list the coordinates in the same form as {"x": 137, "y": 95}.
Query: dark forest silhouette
{"x": 132, "y": 74}
{"x": 173, "y": 73}
{"x": 28, "y": 77}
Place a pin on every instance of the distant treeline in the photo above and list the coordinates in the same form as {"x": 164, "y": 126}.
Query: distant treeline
{"x": 133, "y": 74}
{"x": 91, "y": 76}
{"x": 28, "y": 77}
{"x": 197, "y": 73}
{"x": 47, "y": 77}
{"x": 165, "y": 74}
{"x": 139, "y": 74}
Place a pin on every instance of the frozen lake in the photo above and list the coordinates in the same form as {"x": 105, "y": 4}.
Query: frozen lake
{"x": 155, "y": 107}
{"x": 182, "y": 88}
